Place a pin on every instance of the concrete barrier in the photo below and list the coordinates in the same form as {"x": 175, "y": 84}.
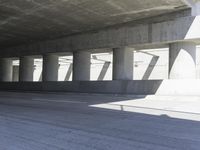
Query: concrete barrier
{"x": 138, "y": 87}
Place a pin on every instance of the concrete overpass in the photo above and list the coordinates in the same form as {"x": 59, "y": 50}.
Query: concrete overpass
{"x": 48, "y": 29}
{"x": 133, "y": 107}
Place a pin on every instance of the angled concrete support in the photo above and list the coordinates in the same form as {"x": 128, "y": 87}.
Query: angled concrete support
{"x": 50, "y": 67}
{"x": 26, "y": 68}
{"x": 182, "y": 60}
{"x": 81, "y": 66}
{"x": 123, "y": 63}
{"x": 6, "y": 69}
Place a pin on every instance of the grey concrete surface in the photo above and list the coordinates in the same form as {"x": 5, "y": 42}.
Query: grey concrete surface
{"x": 195, "y": 5}
{"x": 46, "y": 19}
{"x": 149, "y": 64}
{"x": 15, "y": 75}
{"x": 115, "y": 87}
{"x": 50, "y": 67}
{"x": 6, "y": 69}
{"x": 36, "y": 121}
{"x": 123, "y": 63}
{"x": 158, "y": 32}
{"x": 137, "y": 87}
{"x": 81, "y": 66}
{"x": 26, "y": 68}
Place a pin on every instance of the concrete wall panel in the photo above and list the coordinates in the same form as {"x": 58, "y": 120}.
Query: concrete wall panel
{"x": 137, "y": 87}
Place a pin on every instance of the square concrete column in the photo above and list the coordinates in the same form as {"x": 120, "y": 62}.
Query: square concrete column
{"x": 26, "y": 68}
{"x": 15, "y": 76}
{"x": 182, "y": 60}
{"x": 6, "y": 69}
{"x": 123, "y": 63}
{"x": 50, "y": 67}
{"x": 81, "y": 66}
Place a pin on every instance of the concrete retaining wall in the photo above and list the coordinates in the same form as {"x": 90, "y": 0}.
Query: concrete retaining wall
{"x": 137, "y": 87}
{"x": 114, "y": 87}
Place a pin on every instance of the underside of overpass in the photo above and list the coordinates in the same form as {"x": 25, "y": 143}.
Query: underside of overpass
{"x": 28, "y": 21}
{"x": 99, "y": 74}
{"x": 48, "y": 30}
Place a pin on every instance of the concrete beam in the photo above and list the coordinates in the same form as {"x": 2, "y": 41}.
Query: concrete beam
{"x": 157, "y": 32}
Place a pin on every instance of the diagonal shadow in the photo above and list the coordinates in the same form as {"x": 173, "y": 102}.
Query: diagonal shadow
{"x": 40, "y": 78}
{"x": 104, "y": 68}
{"x": 103, "y": 71}
{"x": 151, "y": 66}
{"x": 69, "y": 72}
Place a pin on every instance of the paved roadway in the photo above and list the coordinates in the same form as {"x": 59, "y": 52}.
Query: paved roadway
{"x": 52, "y": 121}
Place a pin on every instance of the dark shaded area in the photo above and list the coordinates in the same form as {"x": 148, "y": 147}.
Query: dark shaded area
{"x": 28, "y": 21}
{"x": 138, "y": 87}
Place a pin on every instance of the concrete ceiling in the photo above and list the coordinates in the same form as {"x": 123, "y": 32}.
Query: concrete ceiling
{"x": 24, "y": 21}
